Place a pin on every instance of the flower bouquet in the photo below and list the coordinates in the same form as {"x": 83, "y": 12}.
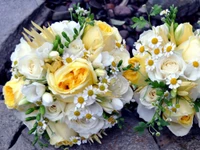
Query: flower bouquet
{"x": 165, "y": 73}
{"x": 67, "y": 82}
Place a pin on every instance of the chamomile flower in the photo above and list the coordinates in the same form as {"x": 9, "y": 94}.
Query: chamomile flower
{"x": 155, "y": 41}
{"x": 102, "y": 87}
{"x": 174, "y": 108}
{"x": 157, "y": 52}
{"x": 150, "y": 64}
{"x": 105, "y": 79}
{"x": 195, "y": 64}
{"x": 90, "y": 93}
{"x": 80, "y": 100}
{"x": 173, "y": 82}
{"x": 75, "y": 140}
{"x": 114, "y": 69}
{"x": 41, "y": 127}
{"x": 68, "y": 58}
{"x": 164, "y": 12}
{"x": 89, "y": 116}
{"x": 77, "y": 114}
{"x": 169, "y": 48}
{"x": 140, "y": 49}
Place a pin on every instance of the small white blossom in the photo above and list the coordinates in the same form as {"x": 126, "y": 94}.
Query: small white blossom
{"x": 75, "y": 140}
{"x": 150, "y": 64}
{"x": 169, "y": 48}
{"x": 155, "y": 41}
{"x": 80, "y": 100}
{"x": 164, "y": 12}
{"x": 173, "y": 82}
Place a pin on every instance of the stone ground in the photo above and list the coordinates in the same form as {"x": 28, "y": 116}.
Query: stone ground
{"x": 16, "y": 14}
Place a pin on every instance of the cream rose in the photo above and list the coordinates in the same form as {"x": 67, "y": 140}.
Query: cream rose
{"x": 180, "y": 121}
{"x": 145, "y": 108}
{"x": 191, "y": 48}
{"x": 59, "y": 133}
{"x": 101, "y": 35}
{"x": 12, "y": 92}
{"x": 165, "y": 66}
{"x": 183, "y": 32}
{"x": 71, "y": 79}
{"x": 31, "y": 66}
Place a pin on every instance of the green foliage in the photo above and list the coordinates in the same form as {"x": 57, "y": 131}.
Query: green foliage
{"x": 197, "y": 105}
{"x": 120, "y": 122}
{"x": 140, "y": 127}
{"x": 156, "y": 9}
{"x": 139, "y": 22}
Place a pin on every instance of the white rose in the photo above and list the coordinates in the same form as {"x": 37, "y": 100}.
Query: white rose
{"x": 56, "y": 111}
{"x": 165, "y": 66}
{"x": 85, "y": 127}
{"x": 31, "y": 66}
{"x": 47, "y": 99}
{"x": 44, "y": 50}
{"x": 145, "y": 99}
{"x": 107, "y": 107}
{"x": 75, "y": 48}
{"x": 21, "y": 50}
{"x": 34, "y": 91}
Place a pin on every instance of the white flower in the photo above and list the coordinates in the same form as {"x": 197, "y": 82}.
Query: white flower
{"x": 89, "y": 116}
{"x": 56, "y": 111}
{"x": 31, "y": 66}
{"x": 84, "y": 127}
{"x": 90, "y": 92}
{"x": 155, "y": 41}
{"x": 192, "y": 71}
{"x": 164, "y": 12}
{"x": 75, "y": 140}
{"x": 44, "y": 50}
{"x": 102, "y": 87}
{"x": 67, "y": 58}
{"x": 80, "y": 100}
{"x": 77, "y": 114}
{"x": 100, "y": 72}
{"x": 150, "y": 64}
{"x": 157, "y": 52}
{"x": 140, "y": 49}
{"x": 47, "y": 99}
{"x": 53, "y": 55}
{"x": 21, "y": 50}
{"x": 173, "y": 82}
{"x": 34, "y": 91}
{"x": 165, "y": 66}
{"x": 41, "y": 127}
{"x": 169, "y": 48}
{"x": 76, "y": 48}
{"x": 117, "y": 104}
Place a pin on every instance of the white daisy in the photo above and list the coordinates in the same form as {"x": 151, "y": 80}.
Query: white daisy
{"x": 155, "y": 41}
{"x": 75, "y": 140}
{"x": 169, "y": 48}
{"x": 150, "y": 64}
{"x": 68, "y": 58}
{"x": 90, "y": 93}
{"x": 41, "y": 127}
{"x": 105, "y": 79}
{"x": 102, "y": 87}
{"x": 164, "y": 12}
{"x": 195, "y": 64}
{"x": 89, "y": 115}
{"x": 80, "y": 100}
{"x": 157, "y": 52}
{"x": 173, "y": 82}
{"x": 140, "y": 49}
{"x": 77, "y": 115}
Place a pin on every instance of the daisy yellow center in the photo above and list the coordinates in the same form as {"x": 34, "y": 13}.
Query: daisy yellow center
{"x": 102, "y": 88}
{"x": 195, "y": 64}
{"x": 90, "y": 92}
{"x": 169, "y": 49}
{"x": 174, "y": 109}
{"x": 111, "y": 120}
{"x": 156, "y": 51}
{"x": 77, "y": 113}
{"x": 118, "y": 45}
{"x": 154, "y": 41}
{"x": 114, "y": 64}
{"x": 150, "y": 62}
{"x": 141, "y": 49}
{"x": 75, "y": 140}
{"x": 81, "y": 100}
{"x": 40, "y": 124}
{"x": 88, "y": 116}
{"x": 68, "y": 60}
{"x": 173, "y": 81}
{"x": 104, "y": 80}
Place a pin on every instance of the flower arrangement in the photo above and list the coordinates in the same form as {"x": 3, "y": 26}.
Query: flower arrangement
{"x": 165, "y": 73}
{"x": 67, "y": 82}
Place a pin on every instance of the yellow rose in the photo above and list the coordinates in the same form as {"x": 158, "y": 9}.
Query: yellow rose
{"x": 137, "y": 77}
{"x": 101, "y": 35}
{"x": 191, "y": 48}
{"x": 71, "y": 79}
{"x": 12, "y": 92}
{"x": 180, "y": 119}
{"x": 59, "y": 133}
{"x": 183, "y": 32}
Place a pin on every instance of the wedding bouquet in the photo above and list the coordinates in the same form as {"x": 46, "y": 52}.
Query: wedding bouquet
{"x": 165, "y": 73}
{"x": 67, "y": 82}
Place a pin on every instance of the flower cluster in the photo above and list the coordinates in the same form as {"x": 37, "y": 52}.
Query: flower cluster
{"x": 67, "y": 81}
{"x": 165, "y": 72}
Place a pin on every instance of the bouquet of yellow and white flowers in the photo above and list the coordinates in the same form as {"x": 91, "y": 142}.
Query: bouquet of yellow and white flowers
{"x": 165, "y": 73}
{"x": 67, "y": 81}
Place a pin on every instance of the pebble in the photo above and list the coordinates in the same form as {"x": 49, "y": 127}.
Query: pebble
{"x": 124, "y": 34}
{"x": 122, "y": 11}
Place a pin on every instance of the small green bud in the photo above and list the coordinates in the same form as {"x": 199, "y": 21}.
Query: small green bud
{"x": 65, "y": 36}
{"x": 75, "y": 31}
{"x": 159, "y": 92}
{"x": 38, "y": 117}
{"x": 30, "y": 118}
{"x": 30, "y": 110}
{"x": 61, "y": 45}
{"x": 42, "y": 110}
{"x": 67, "y": 44}
{"x": 32, "y": 130}
{"x": 60, "y": 51}
{"x": 58, "y": 39}
{"x": 120, "y": 63}
{"x": 55, "y": 45}
{"x": 157, "y": 133}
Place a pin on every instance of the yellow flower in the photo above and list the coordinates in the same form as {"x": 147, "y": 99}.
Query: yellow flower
{"x": 12, "y": 93}
{"x": 59, "y": 133}
{"x": 101, "y": 35}
{"x": 185, "y": 88}
{"x": 137, "y": 77}
{"x": 71, "y": 78}
{"x": 183, "y": 32}
{"x": 191, "y": 48}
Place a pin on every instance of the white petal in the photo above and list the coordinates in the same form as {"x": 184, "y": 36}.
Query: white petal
{"x": 178, "y": 129}
{"x": 117, "y": 104}
{"x": 128, "y": 96}
{"x": 144, "y": 113}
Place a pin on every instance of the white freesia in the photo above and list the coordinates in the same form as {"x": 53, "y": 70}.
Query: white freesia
{"x": 85, "y": 127}
{"x": 31, "y": 66}
{"x": 34, "y": 91}
{"x": 53, "y": 55}
{"x": 76, "y": 47}
{"x": 21, "y": 50}
{"x": 165, "y": 66}
{"x": 56, "y": 111}
{"x": 44, "y": 50}
{"x": 47, "y": 99}
{"x": 180, "y": 121}
{"x": 117, "y": 104}
{"x": 147, "y": 96}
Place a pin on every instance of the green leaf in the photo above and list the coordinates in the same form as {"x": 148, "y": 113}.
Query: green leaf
{"x": 141, "y": 127}
{"x": 163, "y": 122}
{"x": 139, "y": 22}
{"x": 156, "y": 9}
